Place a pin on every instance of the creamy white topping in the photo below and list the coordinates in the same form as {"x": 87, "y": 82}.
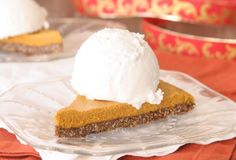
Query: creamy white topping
{"x": 20, "y": 17}
{"x": 117, "y": 65}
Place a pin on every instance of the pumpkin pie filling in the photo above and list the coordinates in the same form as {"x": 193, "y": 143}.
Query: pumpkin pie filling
{"x": 117, "y": 80}
{"x": 43, "y": 41}
{"x": 84, "y": 117}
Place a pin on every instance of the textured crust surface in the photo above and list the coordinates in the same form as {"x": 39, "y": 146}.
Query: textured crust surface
{"x": 122, "y": 122}
{"x": 31, "y": 50}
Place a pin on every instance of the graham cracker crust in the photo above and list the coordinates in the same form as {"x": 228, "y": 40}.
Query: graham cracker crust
{"x": 122, "y": 122}
{"x": 31, "y": 50}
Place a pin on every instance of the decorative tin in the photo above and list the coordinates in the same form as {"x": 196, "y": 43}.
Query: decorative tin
{"x": 191, "y": 39}
{"x": 204, "y": 11}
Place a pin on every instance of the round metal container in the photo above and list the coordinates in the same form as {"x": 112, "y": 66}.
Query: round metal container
{"x": 194, "y": 40}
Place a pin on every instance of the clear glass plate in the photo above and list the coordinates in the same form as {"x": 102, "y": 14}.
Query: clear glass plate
{"x": 74, "y": 32}
{"x": 29, "y": 109}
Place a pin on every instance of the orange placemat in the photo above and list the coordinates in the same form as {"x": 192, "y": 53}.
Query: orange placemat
{"x": 219, "y": 75}
{"x": 12, "y": 149}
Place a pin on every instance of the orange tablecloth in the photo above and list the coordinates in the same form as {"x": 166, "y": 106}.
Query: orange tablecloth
{"x": 11, "y": 149}
{"x": 217, "y": 74}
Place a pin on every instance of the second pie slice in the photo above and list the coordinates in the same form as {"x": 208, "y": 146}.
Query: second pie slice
{"x": 40, "y": 42}
{"x": 25, "y": 29}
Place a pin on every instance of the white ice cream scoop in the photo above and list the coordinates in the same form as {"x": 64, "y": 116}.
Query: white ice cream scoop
{"x": 20, "y": 17}
{"x": 117, "y": 65}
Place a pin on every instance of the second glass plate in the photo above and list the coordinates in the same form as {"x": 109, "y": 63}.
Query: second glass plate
{"x": 74, "y": 32}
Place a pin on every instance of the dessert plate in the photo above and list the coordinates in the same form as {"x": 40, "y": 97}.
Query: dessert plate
{"x": 74, "y": 32}
{"x": 29, "y": 109}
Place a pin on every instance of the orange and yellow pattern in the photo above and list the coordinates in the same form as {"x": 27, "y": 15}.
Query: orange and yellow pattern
{"x": 162, "y": 40}
{"x": 210, "y": 11}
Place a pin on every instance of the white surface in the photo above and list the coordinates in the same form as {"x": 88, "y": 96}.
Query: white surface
{"x": 20, "y": 17}
{"x": 117, "y": 65}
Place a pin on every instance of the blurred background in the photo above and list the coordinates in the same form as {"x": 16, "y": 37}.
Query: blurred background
{"x": 66, "y": 9}
{"x": 59, "y": 8}
{"x": 203, "y": 28}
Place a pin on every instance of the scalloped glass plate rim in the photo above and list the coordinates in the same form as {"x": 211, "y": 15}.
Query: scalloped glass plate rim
{"x": 132, "y": 150}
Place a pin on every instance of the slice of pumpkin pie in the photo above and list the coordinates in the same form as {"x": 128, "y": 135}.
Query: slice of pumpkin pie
{"x": 41, "y": 42}
{"x": 25, "y": 32}
{"x": 84, "y": 116}
{"x": 116, "y": 78}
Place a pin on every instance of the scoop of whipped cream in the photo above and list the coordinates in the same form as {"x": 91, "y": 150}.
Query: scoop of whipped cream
{"x": 117, "y": 65}
{"x": 20, "y": 17}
